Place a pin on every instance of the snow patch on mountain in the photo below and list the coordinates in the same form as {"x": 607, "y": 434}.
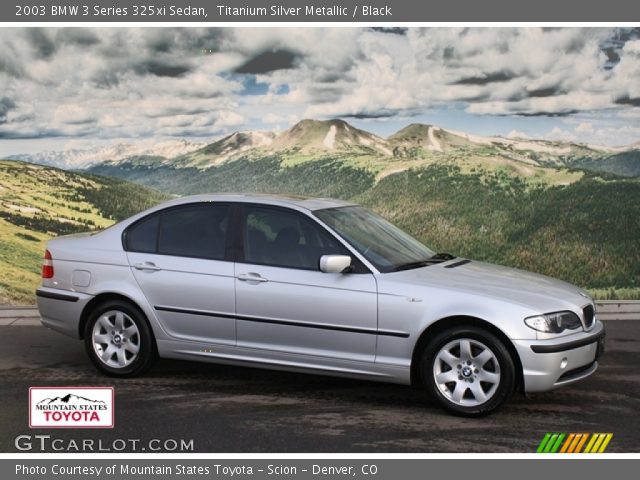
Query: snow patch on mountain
{"x": 434, "y": 144}
{"x": 517, "y": 144}
{"x": 330, "y": 138}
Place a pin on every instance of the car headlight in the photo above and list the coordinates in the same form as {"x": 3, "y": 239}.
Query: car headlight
{"x": 556, "y": 322}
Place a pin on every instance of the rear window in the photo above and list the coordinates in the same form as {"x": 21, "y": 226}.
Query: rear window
{"x": 197, "y": 231}
{"x": 142, "y": 236}
{"x": 191, "y": 231}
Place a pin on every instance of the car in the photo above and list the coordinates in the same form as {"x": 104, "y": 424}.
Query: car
{"x": 314, "y": 285}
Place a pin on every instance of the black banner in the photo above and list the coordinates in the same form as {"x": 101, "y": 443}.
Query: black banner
{"x": 370, "y": 11}
{"x": 309, "y": 469}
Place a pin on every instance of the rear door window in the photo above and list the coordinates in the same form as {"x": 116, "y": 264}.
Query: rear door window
{"x": 195, "y": 231}
{"x": 198, "y": 231}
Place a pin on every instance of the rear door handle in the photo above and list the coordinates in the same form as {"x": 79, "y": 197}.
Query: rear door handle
{"x": 251, "y": 277}
{"x": 147, "y": 266}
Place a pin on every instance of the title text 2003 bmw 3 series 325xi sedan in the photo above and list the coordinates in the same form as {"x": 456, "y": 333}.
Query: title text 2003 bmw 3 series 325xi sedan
{"x": 314, "y": 285}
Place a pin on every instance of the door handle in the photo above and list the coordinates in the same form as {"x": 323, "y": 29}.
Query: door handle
{"x": 251, "y": 277}
{"x": 147, "y": 266}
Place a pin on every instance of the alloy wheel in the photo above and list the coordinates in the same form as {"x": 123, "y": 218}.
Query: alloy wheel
{"x": 466, "y": 372}
{"x": 116, "y": 339}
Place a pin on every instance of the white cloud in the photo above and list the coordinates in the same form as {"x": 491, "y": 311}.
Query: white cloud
{"x": 517, "y": 134}
{"x": 561, "y": 134}
{"x": 274, "y": 118}
{"x": 584, "y": 127}
{"x": 629, "y": 114}
{"x": 613, "y": 135}
{"x": 139, "y": 82}
{"x": 72, "y": 115}
{"x": 229, "y": 119}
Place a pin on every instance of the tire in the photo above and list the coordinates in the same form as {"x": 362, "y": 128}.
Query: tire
{"x": 118, "y": 340}
{"x": 467, "y": 384}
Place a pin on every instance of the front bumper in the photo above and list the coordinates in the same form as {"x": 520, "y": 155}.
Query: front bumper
{"x": 60, "y": 310}
{"x": 548, "y": 364}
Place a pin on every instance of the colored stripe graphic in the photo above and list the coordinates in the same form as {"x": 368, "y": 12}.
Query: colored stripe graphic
{"x": 581, "y": 443}
{"x": 556, "y": 445}
{"x": 565, "y": 447}
{"x": 605, "y": 444}
{"x": 557, "y": 442}
{"x": 550, "y": 443}
{"x": 590, "y": 444}
{"x": 543, "y": 443}
{"x": 573, "y": 448}
{"x": 598, "y": 443}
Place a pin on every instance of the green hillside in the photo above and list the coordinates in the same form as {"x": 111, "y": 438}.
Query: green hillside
{"x": 563, "y": 209}
{"x": 580, "y": 227}
{"x": 38, "y": 203}
{"x": 567, "y": 232}
{"x": 626, "y": 163}
{"x": 326, "y": 177}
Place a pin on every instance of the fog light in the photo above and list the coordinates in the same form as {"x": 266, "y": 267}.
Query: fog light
{"x": 563, "y": 363}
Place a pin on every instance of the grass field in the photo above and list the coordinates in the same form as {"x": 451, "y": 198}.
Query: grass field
{"x": 579, "y": 226}
{"x": 38, "y": 203}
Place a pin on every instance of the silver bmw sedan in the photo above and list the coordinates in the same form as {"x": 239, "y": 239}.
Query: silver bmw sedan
{"x": 314, "y": 285}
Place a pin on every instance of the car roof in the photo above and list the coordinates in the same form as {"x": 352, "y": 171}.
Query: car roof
{"x": 307, "y": 203}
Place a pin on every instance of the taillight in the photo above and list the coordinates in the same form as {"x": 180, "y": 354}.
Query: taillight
{"x": 47, "y": 265}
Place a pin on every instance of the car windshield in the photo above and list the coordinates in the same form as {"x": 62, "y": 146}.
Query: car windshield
{"x": 386, "y": 246}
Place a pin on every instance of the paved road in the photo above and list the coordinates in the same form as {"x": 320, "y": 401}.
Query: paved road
{"x": 227, "y": 409}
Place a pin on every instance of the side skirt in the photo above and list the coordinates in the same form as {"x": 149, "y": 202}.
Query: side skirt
{"x": 274, "y": 360}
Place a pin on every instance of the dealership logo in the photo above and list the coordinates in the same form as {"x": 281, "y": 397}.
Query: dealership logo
{"x": 574, "y": 443}
{"x": 71, "y": 407}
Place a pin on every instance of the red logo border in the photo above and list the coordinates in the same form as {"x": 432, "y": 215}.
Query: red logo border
{"x": 113, "y": 406}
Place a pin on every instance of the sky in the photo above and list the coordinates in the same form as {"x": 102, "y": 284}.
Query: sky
{"x": 64, "y": 88}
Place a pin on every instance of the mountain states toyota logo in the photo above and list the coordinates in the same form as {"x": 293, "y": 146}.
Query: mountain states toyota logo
{"x": 71, "y": 407}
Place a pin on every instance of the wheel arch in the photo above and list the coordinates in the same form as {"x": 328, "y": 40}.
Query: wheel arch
{"x": 458, "y": 320}
{"x": 105, "y": 297}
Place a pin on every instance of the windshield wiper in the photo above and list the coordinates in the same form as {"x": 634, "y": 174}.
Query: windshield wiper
{"x": 410, "y": 265}
{"x": 443, "y": 257}
{"x": 437, "y": 258}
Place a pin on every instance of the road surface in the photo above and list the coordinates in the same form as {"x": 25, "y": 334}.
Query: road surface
{"x": 229, "y": 409}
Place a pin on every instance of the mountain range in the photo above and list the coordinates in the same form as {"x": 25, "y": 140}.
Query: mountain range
{"x": 310, "y": 139}
{"x": 568, "y": 210}
{"x": 84, "y": 158}
{"x": 564, "y": 209}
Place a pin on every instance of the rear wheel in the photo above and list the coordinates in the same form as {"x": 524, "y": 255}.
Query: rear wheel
{"x": 118, "y": 340}
{"x": 468, "y": 371}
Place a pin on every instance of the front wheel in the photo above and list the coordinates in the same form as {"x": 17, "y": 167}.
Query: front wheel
{"x": 118, "y": 340}
{"x": 468, "y": 371}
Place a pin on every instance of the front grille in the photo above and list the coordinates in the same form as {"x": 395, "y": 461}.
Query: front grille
{"x": 588, "y": 313}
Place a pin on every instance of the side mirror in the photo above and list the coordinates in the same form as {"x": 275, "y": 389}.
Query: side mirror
{"x": 335, "y": 263}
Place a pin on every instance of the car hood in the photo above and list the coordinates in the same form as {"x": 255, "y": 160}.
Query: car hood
{"x": 539, "y": 292}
